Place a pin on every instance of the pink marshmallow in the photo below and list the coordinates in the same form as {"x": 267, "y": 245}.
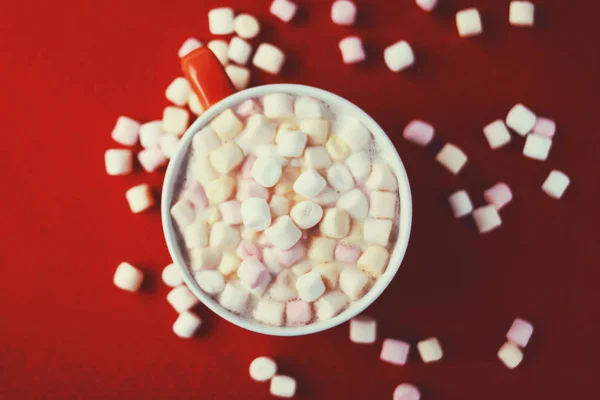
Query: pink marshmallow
{"x": 343, "y": 12}
{"x": 346, "y": 254}
{"x": 126, "y": 131}
{"x": 248, "y": 249}
{"x": 118, "y": 161}
{"x": 352, "y": 50}
{"x": 427, "y": 5}
{"x": 246, "y": 170}
{"x": 498, "y": 195}
{"x": 298, "y": 312}
{"x": 284, "y": 9}
{"x": 252, "y": 272}
{"x": 152, "y": 159}
{"x": 248, "y": 188}
{"x": 248, "y": 108}
{"x": 520, "y": 332}
{"x": 419, "y": 132}
{"x": 231, "y": 212}
{"x": 406, "y": 391}
{"x": 394, "y": 351}
{"x": 289, "y": 257}
{"x": 544, "y": 126}
{"x": 195, "y": 194}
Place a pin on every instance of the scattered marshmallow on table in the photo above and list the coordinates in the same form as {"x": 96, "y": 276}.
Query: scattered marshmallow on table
{"x": 152, "y": 159}
{"x": 430, "y": 350}
{"x": 175, "y": 120}
{"x": 220, "y": 49}
{"x": 283, "y": 9}
{"x": 355, "y": 203}
{"x": 306, "y": 214}
{"x": 406, "y": 391}
{"x": 520, "y": 332}
{"x": 310, "y": 286}
{"x": 309, "y": 184}
{"x": 234, "y": 297}
{"x": 178, "y": 91}
{"x": 343, "y": 12}
{"x": 537, "y": 147}
{"x": 338, "y": 149}
{"x": 346, "y": 253}
{"x": 194, "y": 104}
{"x": 269, "y": 58}
{"x": 186, "y": 325}
{"x": 399, "y": 56}
{"x": 118, "y": 161}
{"x": 181, "y": 298}
{"x": 382, "y": 178}
{"x": 316, "y": 130}
{"x": 316, "y": 157}
{"x": 231, "y": 212}
{"x": 321, "y": 248}
{"x": 171, "y": 276}
{"x": 226, "y": 158}
{"x": 306, "y": 107}
{"x": 556, "y": 184}
{"x": 201, "y": 259}
{"x": 297, "y": 312}
{"x": 461, "y": 203}
{"x": 419, "y": 132}
{"x": 498, "y": 195}
{"x": 377, "y": 231}
{"x": 256, "y": 214}
{"x": 521, "y": 13}
{"x": 269, "y": 312}
{"x": 223, "y": 236}
{"x": 353, "y": 282}
{"x": 291, "y": 143}
{"x": 189, "y": 45}
{"x": 335, "y": 223}
{"x": 352, "y": 50}
{"x": 359, "y": 165}
{"x": 283, "y": 386}
{"x": 283, "y": 233}
{"x": 168, "y": 145}
{"x": 496, "y": 134}
{"x": 521, "y": 119}
{"x": 394, "y": 351}
{"x": 150, "y": 132}
{"x": 262, "y": 369}
{"x": 126, "y": 131}
{"x": 239, "y": 50}
{"x": 468, "y": 22}
{"x": 452, "y": 158}
{"x": 382, "y": 205}
{"x": 128, "y": 277}
{"x": 205, "y": 141}
{"x": 363, "y": 330}
{"x": 545, "y": 127}
{"x": 426, "y": 5}
{"x": 510, "y": 355}
{"x": 486, "y": 218}
{"x": 183, "y": 213}
{"x": 220, "y": 21}
{"x": 374, "y": 260}
{"x": 266, "y": 171}
{"x": 246, "y": 26}
{"x": 139, "y": 198}
{"x": 220, "y": 189}
{"x": 340, "y": 178}
{"x": 252, "y": 272}
{"x": 239, "y": 76}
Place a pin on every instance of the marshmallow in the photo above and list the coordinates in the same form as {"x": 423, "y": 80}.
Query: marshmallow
{"x": 152, "y": 159}
{"x": 201, "y": 259}
{"x": 347, "y": 254}
{"x": 150, "y": 133}
{"x": 430, "y": 350}
{"x": 382, "y": 178}
{"x": 259, "y": 130}
{"x": 287, "y": 180}
{"x": 283, "y": 234}
{"x": 168, "y": 145}
{"x": 356, "y": 204}
{"x": 301, "y": 268}
{"x": 426, "y": 5}
{"x": 298, "y": 312}
{"x": 283, "y": 9}
{"x": 234, "y": 297}
{"x": 498, "y": 195}
{"x": 128, "y": 277}
{"x": 337, "y": 149}
{"x": 310, "y": 286}
{"x": 262, "y": 369}
{"x": 335, "y": 223}
{"x": 374, "y": 260}
{"x": 399, "y": 56}
{"x": 363, "y": 330}
{"x": 220, "y": 21}
{"x": 126, "y": 131}
{"x": 496, "y": 134}
{"x": 211, "y": 281}
{"x": 394, "y": 351}
{"x": 248, "y": 234}
{"x": 353, "y": 132}
{"x": 281, "y": 385}
{"x": 248, "y": 108}
{"x": 520, "y": 332}
{"x": 355, "y": 237}
{"x": 204, "y": 142}
{"x": 203, "y": 171}
{"x": 239, "y": 76}
{"x": 171, "y": 276}
{"x": 266, "y": 171}
{"x": 229, "y": 264}
{"x": 460, "y": 203}
{"x": 521, "y": 119}
{"x": 226, "y": 125}
{"x": 226, "y": 158}
{"x": 278, "y": 106}
{"x": 246, "y": 169}
{"x": 354, "y": 282}
{"x": 406, "y": 391}
{"x": 268, "y": 151}
{"x": 510, "y": 355}
{"x": 239, "y": 50}
{"x": 468, "y": 22}
{"x": 556, "y": 184}
{"x": 521, "y": 13}
{"x": 352, "y": 50}
{"x": 330, "y": 273}
{"x": 330, "y": 305}
{"x": 306, "y": 107}
{"x": 178, "y": 91}
{"x": 195, "y": 235}
{"x": 220, "y": 190}
{"x": 290, "y": 256}
{"x": 343, "y": 12}
{"x": 194, "y": 193}
{"x": 186, "y": 325}
{"x": 248, "y": 188}
{"x": 220, "y": 49}
{"x": 268, "y": 58}
{"x": 283, "y": 291}
{"x": 246, "y": 249}
{"x": 182, "y": 299}
{"x": 359, "y": 165}
{"x": 291, "y": 143}
{"x": 260, "y": 289}
{"x": 452, "y": 158}
{"x": 252, "y": 272}
{"x": 118, "y": 162}
{"x": 231, "y": 212}
{"x": 309, "y": 184}
{"x": 211, "y": 215}
{"x": 327, "y": 197}
{"x": 194, "y": 104}
{"x": 316, "y": 157}
{"x": 543, "y": 126}
{"x": 383, "y": 205}
{"x": 306, "y": 214}
{"x": 537, "y": 147}
{"x": 189, "y": 45}
{"x": 279, "y": 205}
{"x": 269, "y": 312}
{"x": 223, "y": 236}
{"x": 256, "y": 214}
{"x": 340, "y": 178}
{"x": 246, "y": 26}
{"x": 419, "y": 132}
{"x": 486, "y": 218}
{"x": 175, "y": 120}
{"x": 321, "y": 248}
{"x": 316, "y": 130}
{"x": 139, "y": 198}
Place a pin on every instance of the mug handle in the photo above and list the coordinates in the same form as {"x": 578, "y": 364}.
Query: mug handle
{"x": 207, "y": 76}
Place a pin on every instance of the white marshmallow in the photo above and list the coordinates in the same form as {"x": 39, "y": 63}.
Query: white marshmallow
{"x": 175, "y": 120}
{"x": 352, "y": 50}
{"x": 521, "y": 119}
{"x": 321, "y": 248}
{"x": 496, "y": 134}
{"x": 363, "y": 330}
{"x": 150, "y": 133}
{"x": 234, "y": 297}
{"x": 268, "y": 151}
{"x": 430, "y": 350}
{"x": 168, "y": 145}
{"x": 266, "y": 171}
{"x": 271, "y": 260}
{"x": 377, "y": 231}
{"x": 178, "y": 91}
{"x": 382, "y": 205}
{"x": 537, "y": 147}
{"x": 399, "y": 56}
{"x": 262, "y": 369}
{"x": 283, "y": 9}
{"x": 309, "y": 184}
{"x": 355, "y": 203}
{"x": 223, "y": 236}
{"x": 126, "y": 131}
{"x": 229, "y": 264}
{"x": 556, "y": 184}
{"x": 201, "y": 259}
{"x": 226, "y": 125}
{"x": 259, "y": 130}
{"x": 268, "y": 58}
{"x": 330, "y": 305}
{"x": 510, "y": 355}
{"x": 343, "y": 12}
{"x": 269, "y": 312}
{"x": 301, "y": 268}
{"x": 220, "y": 190}
{"x": 330, "y": 273}
{"x": 194, "y": 104}
{"x": 291, "y": 143}
{"x": 211, "y": 215}
{"x": 246, "y": 26}
{"x": 139, "y": 198}
{"x": 239, "y": 50}
{"x": 278, "y": 106}
{"x": 452, "y": 158}
{"x": 203, "y": 171}
{"x": 220, "y": 49}
{"x": 335, "y": 223}
{"x": 316, "y": 157}
{"x": 468, "y": 22}
{"x": 204, "y": 142}
{"x": 186, "y": 325}
{"x": 310, "y": 286}
{"x": 486, "y": 218}
{"x": 327, "y": 197}
{"x": 283, "y": 234}
{"x": 256, "y": 215}
{"x": 306, "y": 214}
{"x": 382, "y": 178}
{"x": 279, "y": 205}
{"x": 354, "y": 282}
{"x": 338, "y": 149}
{"x": 171, "y": 275}
{"x": 340, "y": 178}
{"x": 521, "y": 13}
{"x": 189, "y": 45}
{"x": 373, "y": 260}
{"x": 306, "y": 107}
{"x": 316, "y": 130}
{"x": 427, "y": 5}
{"x": 195, "y": 235}
{"x": 461, "y": 204}
{"x": 353, "y": 132}
{"x": 359, "y": 165}
{"x": 181, "y": 298}
{"x": 128, "y": 277}
{"x": 281, "y": 385}
{"x": 211, "y": 281}
{"x": 239, "y": 76}
{"x": 226, "y": 158}
{"x": 220, "y": 21}
{"x": 118, "y": 161}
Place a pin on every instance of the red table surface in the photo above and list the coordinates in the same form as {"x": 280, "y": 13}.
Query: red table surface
{"x": 69, "y": 68}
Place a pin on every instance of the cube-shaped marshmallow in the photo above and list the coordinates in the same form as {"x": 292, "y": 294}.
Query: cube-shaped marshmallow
{"x": 521, "y": 13}
{"x": 543, "y": 126}
{"x": 150, "y": 133}
{"x": 281, "y": 385}
{"x": 496, "y": 134}
{"x": 226, "y": 158}
{"x": 283, "y": 9}
{"x": 139, "y": 198}
{"x": 220, "y": 21}
{"x": 510, "y": 355}
{"x": 256, "y": 214}
{"x": 268, "y": 58}
{"x": 520, "y": 332}
{"x": 269, "y": 312}
{"x": 298, "y": 312}
{"x": 335, "y": 223}
{"x": 316, "y": 157}
{"x": 210, "y": 281}
{"x": 394, "y": 351}
{"x": 468, "y": 22}
{"x": 352, "y": 50}
{"x": 309, "y": 184}
{"x": 189, "y": 45}
{"x": 152, "y": 159}
{"x": 363, "y": 330}
{"x": 118, "y": 161}
{"x": 556, "y": 184}
{"x": 220, "y": 190}
{"x": 419, "y": 132}
{"x": 234, "y": 297}
{"x": 354, "y": 282}
{"x": 338, "y": 149}
{"x": 181, "y": 298}
{"x": 178, "y": 91}
{"x": 521, "y": 119}
{"x": 359, "y": 165}
{"x": 239, "y": 76}
{"x": 356, "y": 204}
{"x": 537, "y": 147}
{"x": 283, "y": 233}
{"x": 330, "y": 304}
{"x": 343, "y": 12}
{"x": 321, "y": 248}
{"x": 306, "y": 107}
{"x": 128, "y": 277}
{"x": 452, "y": 158}
{"x": 399, "y": 56}
{"x": 383, "y": 205}
{"x": 175, "y": 120}
{"x": 246, "y": 26}
{"x": 186, "y": 325}
{"x": 239, "y": 50}
{"x": 460, "y": 203}
{"x": 430, "y": 350}
{"x": 220, "y": 49}
{"x": 498, "y": 195}
{"x": 377, "y": 231}
{"x": 340, "y": 178}
{"x": 204, "y": 258}
{"x": 374, "y": 260}
{"x": 487, "y": 218}
{"x": 316, "y": 130}
{"x": 126, "y": 131}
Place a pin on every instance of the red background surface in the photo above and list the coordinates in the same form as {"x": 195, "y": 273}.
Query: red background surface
{"x": 69, "y": 68}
